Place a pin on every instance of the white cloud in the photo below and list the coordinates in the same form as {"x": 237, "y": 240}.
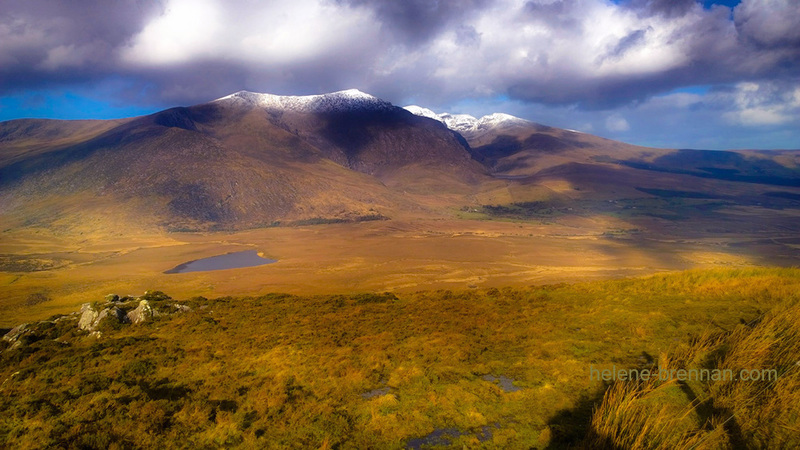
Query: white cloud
{"x": 268, "y": 33}
{"x": 617, "y": 123}
{"x": 561, "y": 52}
{"x": 187, "y": 29}
{"x": 755, "y": 104}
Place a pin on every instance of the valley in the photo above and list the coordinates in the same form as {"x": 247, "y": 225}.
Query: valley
{"x": 489, "y": 248}
{"x": 351, "y": 274}
{"x": 352, "y": 194}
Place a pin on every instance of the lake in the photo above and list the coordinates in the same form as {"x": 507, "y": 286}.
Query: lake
{"x": 236, "y": 260}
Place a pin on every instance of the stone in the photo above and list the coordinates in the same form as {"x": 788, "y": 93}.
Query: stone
{"x": 16, "y": 333}
{"x": 114, "y": 314}
{"x": 91, "y": 318}
{"x": 112, "y": 298}
{"x": 88, "y": 317}
{"x": 181, "y": 308}
{"x": 142, "y": 313}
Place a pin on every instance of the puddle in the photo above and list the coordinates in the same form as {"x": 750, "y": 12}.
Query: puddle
{"x": 505, "y": 383}
{"x": 376, "y": 392}
{"x": 445, "y": 436}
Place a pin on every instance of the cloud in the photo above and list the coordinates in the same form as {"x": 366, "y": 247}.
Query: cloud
{"x": 415, "y": 21}
{"x": 43, "y": 42}
{"x": 592, "y": 54}
{"x": 284, "y": 34}
{"x": 769, "y": 23}
{"x": 616, "y": 123}
{"x": 765, "y": 104}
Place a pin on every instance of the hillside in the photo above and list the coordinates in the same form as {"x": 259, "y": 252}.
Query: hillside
{"x": 454, "y": 368}
{"x": 231, "y": 164}
{"x": 252, "y": 160}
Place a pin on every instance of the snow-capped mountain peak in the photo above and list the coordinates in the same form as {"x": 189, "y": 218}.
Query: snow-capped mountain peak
{"x": 424, "y": 112}
{"x": 465, "y": 123}
{"x": 323, "y": 103}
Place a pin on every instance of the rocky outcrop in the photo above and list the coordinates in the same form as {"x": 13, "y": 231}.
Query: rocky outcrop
{"x": 88, "y": 316}
{"x": 141, "y": 314}
{"x": 14, "y": 337}
{"x": 29, "y": 333}
{"x": 94, "y": 318}
{"x": 91, "y": 319}
{"x": 15, "y": 333}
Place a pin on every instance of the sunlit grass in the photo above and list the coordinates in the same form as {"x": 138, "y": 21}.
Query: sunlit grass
{"x": 292, "y": 371}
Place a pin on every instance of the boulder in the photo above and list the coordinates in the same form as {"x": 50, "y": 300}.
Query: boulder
{"x": 91, "y": 318}
{"x": 180, "y": 308}
{"x": 113, "y": 314}
{"x": 16, "y": 333}
{"x": 112, "y": 298}
{"x": 88, "y": 317}
{"x": 141, "y": 314}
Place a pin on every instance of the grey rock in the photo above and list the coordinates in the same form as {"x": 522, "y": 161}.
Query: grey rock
{"x": 141, "y": 314}
{"x": 112, "y": 298}
{"x": 88, "y": 317}
{"x": 91, "y": 318}
{"x": 113, "y": 314}
{"x": 16, "y": 333}
{"x": 181, "y": 308}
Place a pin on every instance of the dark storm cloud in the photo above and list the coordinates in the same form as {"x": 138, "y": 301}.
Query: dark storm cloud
{"x": 44, "y": 42}
{"x": 590, "y": 53}
{"x": 416, "y": 21}
{"x": 632, "y": 40}
{"x": 763, "y": 43}
{"x": 764, "y": 27}
{"x": 666, "y": 8}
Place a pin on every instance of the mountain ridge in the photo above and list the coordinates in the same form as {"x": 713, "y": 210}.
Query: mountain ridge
{"x": 243, "y": 161}
{"x": 321, "y": 103}
{"x": 250, "y": 160}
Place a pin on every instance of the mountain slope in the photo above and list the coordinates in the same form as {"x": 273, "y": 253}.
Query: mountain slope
{"x": 582, "y": 164}
{"x": 253, "y": 160}
{"x": 242, "y": 161}
{"x": 362, "y": 132}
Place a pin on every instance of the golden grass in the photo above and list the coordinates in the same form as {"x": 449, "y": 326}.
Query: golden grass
{"x": 714, "y": 413}
{"x": 396, "y": 255}
{"x": 292, "y": 371}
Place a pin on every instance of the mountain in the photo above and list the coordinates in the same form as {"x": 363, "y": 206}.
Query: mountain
{"x": 468, "y": 126}
{"x": 362, "y": 132}
{"x": 241, "y": 161}
{"x": 510, "y": 145}
{"x": 253, "y": 160}
{"x": 514, "y": 148}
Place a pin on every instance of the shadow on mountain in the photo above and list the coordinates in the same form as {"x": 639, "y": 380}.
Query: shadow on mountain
{"x": 720, "y": 165}
{"x": 506, "y": 145}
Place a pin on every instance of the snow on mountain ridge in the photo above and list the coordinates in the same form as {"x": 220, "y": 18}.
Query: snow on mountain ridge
{"x": 354, "y": 99}
{"x": 424, "y": 112}
{"x": 323, "y": 103}
{"x": 465, "y": 123}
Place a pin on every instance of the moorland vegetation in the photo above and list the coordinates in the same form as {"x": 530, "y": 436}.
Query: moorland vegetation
{"x": 490, "y": 368}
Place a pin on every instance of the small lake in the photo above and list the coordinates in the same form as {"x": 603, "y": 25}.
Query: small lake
{"x": 236, "y": 260}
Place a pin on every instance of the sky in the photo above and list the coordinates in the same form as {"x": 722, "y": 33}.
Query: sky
{"x": 662, "y": 73}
